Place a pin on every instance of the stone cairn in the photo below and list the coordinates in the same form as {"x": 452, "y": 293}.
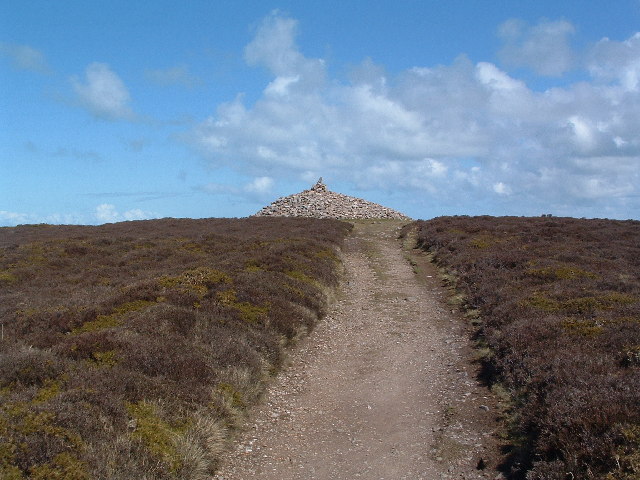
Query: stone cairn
{"x": 319, "y": 202}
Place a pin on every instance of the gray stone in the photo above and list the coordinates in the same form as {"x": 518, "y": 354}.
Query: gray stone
{"x": 320, "y": 202}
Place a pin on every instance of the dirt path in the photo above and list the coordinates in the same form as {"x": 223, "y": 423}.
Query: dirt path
{"x": 383, "y": 388}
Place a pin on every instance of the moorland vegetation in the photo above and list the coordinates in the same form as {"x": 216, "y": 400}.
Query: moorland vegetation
{"x": 557, "y": 305}
{"x": 132, "y": 350}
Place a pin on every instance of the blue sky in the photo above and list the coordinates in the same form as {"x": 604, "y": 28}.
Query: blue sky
{"x": 117, "y": 110}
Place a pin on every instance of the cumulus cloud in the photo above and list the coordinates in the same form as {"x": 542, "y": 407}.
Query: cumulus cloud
{"x": 177, "y": 75}
{"x": 108, "y": 213}
{"x": 103, "y": 93}
{"x": 24, "y": 57}
{"x": 274, "y": 47}
{"x": 543, "y": 47}
{"x": 442, "y": 133}
{"x": 617, "y": 61}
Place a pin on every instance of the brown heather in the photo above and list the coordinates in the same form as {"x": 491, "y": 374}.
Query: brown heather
{"x": 132, "y": 350}
{"x": 557, "y": 304}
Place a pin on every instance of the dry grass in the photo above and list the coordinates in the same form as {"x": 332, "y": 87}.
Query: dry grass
{"x": 132, "y": 350}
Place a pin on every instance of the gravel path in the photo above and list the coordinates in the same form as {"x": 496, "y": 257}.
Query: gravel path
{"x": 384, "y": 387}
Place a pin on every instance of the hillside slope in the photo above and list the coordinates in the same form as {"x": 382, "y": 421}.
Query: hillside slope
{"x": 132, "y": 350}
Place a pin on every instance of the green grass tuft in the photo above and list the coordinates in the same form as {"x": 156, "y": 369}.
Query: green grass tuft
{"x": 157, "y": 435}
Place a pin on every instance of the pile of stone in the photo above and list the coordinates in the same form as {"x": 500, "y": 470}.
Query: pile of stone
{"x": 319, "y": 202}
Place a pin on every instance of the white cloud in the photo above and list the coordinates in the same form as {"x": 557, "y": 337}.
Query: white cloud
{"x": 274, "y": 47}
{"x": 501, "y": 188}
{"x": 497, "y": 80}
{"x": 177, "y": 75}
{"x": 618, "y": 61}
{"x": 24, "y": 57}
{"x": 543, "y": 47}
{"x": 260, "y": 185}
{"x": 583, "y": 132}
{"x": 593, "y": 188}
{"x": 64, "y": 219}
{"x": 447, "y": 134}
{"x": 103, "y": 93}
{"x": 108, "y": 213}
{"x": 280, "y": 86}
{"x": 13, "y": 218}
{"x": 135, "y": 214}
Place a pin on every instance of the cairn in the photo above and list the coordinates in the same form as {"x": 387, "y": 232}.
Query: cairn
{"x": 320, "y": 202}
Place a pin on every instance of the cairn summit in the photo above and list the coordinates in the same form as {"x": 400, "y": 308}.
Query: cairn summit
{"x": 320, "y": 202}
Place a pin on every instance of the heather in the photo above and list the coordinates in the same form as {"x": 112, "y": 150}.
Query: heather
{"x": 556, "y": 302}
{"x": 133, "y": 350}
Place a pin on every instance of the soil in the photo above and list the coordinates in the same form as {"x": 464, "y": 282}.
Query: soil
{"x": 384, "y": 388}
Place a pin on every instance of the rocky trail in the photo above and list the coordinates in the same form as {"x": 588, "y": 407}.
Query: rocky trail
{"x": 384, "y": 388}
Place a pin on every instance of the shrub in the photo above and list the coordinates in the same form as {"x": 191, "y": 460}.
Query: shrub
{"x": 559, "y": 303}
{"x": 132, "y": 350}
